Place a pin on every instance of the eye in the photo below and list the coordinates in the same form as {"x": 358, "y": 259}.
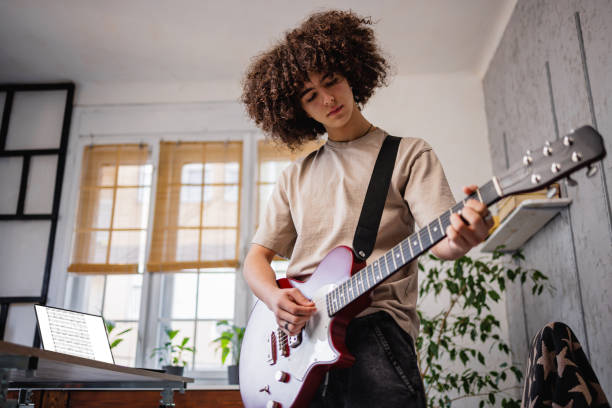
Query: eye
{"x": 332, "y": 81}
{"x": 312, "y": 96}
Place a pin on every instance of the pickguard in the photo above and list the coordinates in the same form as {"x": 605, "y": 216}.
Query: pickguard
{"x": 316, "y": 344}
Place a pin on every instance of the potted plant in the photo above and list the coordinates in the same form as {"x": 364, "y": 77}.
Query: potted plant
{"x": 473, "y": 286}
{"x": 230, "y": 340}
{"x": 171, "y": 353}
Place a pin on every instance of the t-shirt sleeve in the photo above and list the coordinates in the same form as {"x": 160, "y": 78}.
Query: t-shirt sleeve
{"x": 427, "y": 192}
{"x": 277, "y": 230}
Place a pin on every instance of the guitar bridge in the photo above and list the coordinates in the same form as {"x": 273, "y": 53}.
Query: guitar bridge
{"x": 295, "y": 341}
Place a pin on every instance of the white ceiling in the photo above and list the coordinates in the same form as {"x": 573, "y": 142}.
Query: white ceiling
{"x": 204, "y": 40}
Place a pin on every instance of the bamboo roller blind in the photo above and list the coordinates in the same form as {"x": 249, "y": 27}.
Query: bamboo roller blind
{"x": 196, "y": 220}
{"x": 113, "y": 208}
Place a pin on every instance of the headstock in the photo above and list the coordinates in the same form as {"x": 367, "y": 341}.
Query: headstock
{"x": 553, "y": 161}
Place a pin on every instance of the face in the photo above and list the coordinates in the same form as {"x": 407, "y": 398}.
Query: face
{"x": 328, "y": 99}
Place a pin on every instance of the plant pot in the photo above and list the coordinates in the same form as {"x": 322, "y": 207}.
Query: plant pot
{"x": 174, "y": 370}
{"x": 232, "y": 374}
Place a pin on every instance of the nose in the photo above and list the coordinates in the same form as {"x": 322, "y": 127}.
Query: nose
{"x": 328, "y": 99}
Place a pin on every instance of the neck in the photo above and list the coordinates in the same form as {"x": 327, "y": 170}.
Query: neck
{"x": 356, "y": 127}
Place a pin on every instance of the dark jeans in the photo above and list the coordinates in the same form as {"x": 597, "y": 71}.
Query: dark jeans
{"x": 385, "y": 373}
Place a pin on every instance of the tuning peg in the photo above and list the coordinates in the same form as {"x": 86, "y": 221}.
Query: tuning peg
{"x": 547, "y": 150}
{"x": 592, "y": 170}
{"x": 568, "y": 140}
{"x": 571, "y": 182}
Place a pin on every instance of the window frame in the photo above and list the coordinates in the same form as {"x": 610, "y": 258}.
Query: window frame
{"x": 102, "y": 130}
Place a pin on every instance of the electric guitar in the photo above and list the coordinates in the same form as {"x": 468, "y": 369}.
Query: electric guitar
{"x": 279, "y": 371}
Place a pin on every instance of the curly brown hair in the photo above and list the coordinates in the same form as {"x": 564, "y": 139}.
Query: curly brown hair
{"x": 326, "y": 42}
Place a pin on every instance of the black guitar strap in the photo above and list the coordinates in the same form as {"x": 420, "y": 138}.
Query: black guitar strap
{"x": 374, "y": 202}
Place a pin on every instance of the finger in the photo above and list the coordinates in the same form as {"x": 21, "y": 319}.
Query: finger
{"x": 289, "y": 306}
{"x": 464, "y": 230}
{"x": 477, "y": 206}
{"x": 455, "y": 241}
{"x": 300, "y": 298}
{"x": 288, "y": 317}
{"x": 290, "y": 328}
{"x": 477, "y": 225}
{"x": 470, "y": 189}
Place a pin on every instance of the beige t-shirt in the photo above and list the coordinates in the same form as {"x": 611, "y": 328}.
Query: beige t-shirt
{"x": 317, "y": 201}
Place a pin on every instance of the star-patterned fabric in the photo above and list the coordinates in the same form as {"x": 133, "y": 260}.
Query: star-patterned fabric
{"x": 559, "y": 374}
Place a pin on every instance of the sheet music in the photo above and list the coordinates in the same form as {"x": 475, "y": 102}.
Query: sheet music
{"x": 73, "y": 333}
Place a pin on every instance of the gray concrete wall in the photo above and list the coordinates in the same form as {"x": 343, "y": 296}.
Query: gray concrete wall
{"x": 552, "y": 72}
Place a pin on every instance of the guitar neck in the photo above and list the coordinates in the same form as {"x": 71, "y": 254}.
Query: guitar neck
{"x": 404, "y": 252}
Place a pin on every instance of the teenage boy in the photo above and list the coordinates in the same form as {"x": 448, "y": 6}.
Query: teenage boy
{"x": 313, "y": 82}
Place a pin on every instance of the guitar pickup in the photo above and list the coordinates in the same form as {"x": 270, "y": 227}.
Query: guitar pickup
{"x": 283, "y": 343}
{"x": 295, "y": 341}
{"x": 271, "y": 349}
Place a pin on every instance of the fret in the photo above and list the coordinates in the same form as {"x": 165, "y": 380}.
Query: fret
{"x": 383, "y": 266}
{"x": 371, "y": 276}
{"x": 347, "y": 295}
{"x": 479, "y": 196}
{"x": 424, "y": 239}
{"x": 339, "y": 293}
{"x": 355, "y": 288}
{"x": 398, "y": 256}
{"x": 429, "y": 232}
{"x": 445, "y": 220}
{"x": 414, "y": 248}
{"x": 364, "y": 276}
{"x": 437, "y": 232}
{"x": 349, "y": 289}
{"x": 390, "y": 262}
{"x": 344, "y": 294}
{"x": 457, "y": 207}
{"x": 357, "y": 278}
{"x": 406, "y": 252}
{"x": 335, "y": 303}
{"x": 377, "y": 272}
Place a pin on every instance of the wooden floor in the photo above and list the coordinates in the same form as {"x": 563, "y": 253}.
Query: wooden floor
{"x": 133, "y": 399}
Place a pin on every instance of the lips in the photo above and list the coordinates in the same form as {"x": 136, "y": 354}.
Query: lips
{"x": 336, "y": 110}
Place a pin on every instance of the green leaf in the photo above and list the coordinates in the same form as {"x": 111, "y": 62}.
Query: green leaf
{"x": 171, "y": 333}
{"x": 125, "y": 331}
{"x": 224, "y": 354}
{"x": 115, "y": 343}
{"x": 494, "y": 295}
{"x": 185, "y": 340}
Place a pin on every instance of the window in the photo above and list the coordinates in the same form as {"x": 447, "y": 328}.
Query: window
{"x": 110, "y": 237}
{"x": 195, "y": 236}
{"x": 180, "y": 271}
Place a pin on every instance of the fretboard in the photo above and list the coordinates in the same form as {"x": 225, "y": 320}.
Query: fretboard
{"x": 402, "y": 254}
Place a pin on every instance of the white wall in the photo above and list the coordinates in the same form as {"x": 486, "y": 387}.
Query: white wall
{"x": 445, "y": 110}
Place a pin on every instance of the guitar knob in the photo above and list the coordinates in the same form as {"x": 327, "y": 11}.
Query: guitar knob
{"x": 576, "y": 157}
{"x": 281, "y": 376}
{"x": 527, "y": 160}
{"x": 547, "y": 151}
{"x": 555, "y": 167}
{"x": 535, "y": 179}
{"x": 568, "y": 141}
{"x": 273, "y": 404}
